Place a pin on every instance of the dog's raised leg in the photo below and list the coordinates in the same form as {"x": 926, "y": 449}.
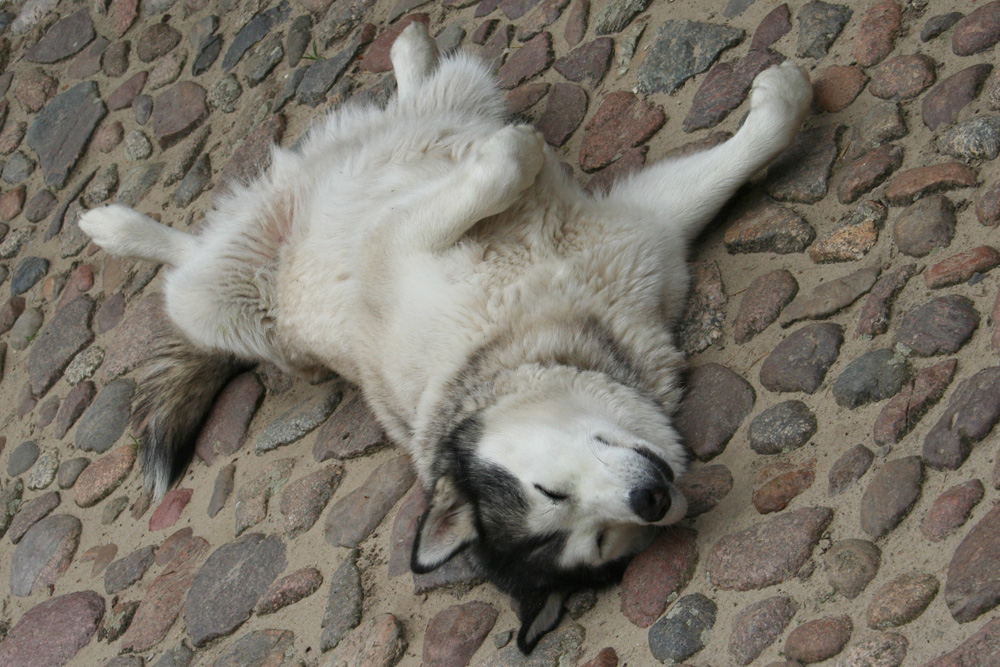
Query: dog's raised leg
{"x": 490, "y": 182}
{"x": 414, "y": 57}
{"x": 687, "y": 192}
{"x": 125, "y": 232}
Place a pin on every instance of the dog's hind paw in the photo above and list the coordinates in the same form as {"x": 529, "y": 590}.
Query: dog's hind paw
{"x": 111, "y": 227}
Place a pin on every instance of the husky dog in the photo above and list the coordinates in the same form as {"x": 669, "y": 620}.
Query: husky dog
{"x": 510, "y": 330}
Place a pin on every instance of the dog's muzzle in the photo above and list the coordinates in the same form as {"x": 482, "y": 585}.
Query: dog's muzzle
{"x": 650, "y": 502}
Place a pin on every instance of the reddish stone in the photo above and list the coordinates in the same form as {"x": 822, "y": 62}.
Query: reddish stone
{"x": 902, "y": 77}
{"x": 173, "y": 545}
{"x": 959, "y": 268}
{"x": 942, "y": 103}
{"x": 483, "y": 32}
{"x": 782, "y": 482}
{"x": 854, "y": 238}
{"x": 977, "y": 31}
{"x": 877, "y": 32}
{"x": 758, "y": 625}
{"x": 134, "y": 340}
{"x": 576, "y": 22}
{"x": 515, "y": 9}
{"x": 988, "y": 206}
{"x": 874, "y": 317}
{"x": 588, "y": 63}
{"x": 919, "y": 181}
{"x": 12, "y": 202}
{"x": 53, "y": 631}
{"x": 107, "y": 137}
{"x": 905, "y": 409}
{"x": 177, "y": 112}
{"x": 533, "y": 58}
{"x": 768, "y": 552}
{"x": 621, "y": 122}
{"x": 290, "y": 589}
{"x": 995, "y": 326}
{"x": 351, "y": 431}
{"x": 164, "y": 598}
{"x": 80, "y": 282}
{"x": 545, "y": 13}
{"x": 10, "y": 312}
{"x": 725, "y": 87}
{"x": 837, "y": 86}
{"x": 496, "y": 47}
{"x": 170, "y": 508}
{"x": 455, "y": 634}
{"x": 606, "y": 657}
{"x": 801, "y": 173}
{"x": 34, "y": 88}
{"x": 103, "y": 476}
{"x": 868, "y": 171}
{"x": 124, "y": 13}
{"x": 564, "y": 111}
{"x": 901, "y": 600}
{"x": 762, "y": 303}
{"x": 940, "y": 326}
{"x": 773, "y": 27}
{"x": 982, "y": 648}
{"x": 376, "y": 58}
{"x": 524, "y": 97}
{"x": 656, "y": 575}
{"x": 830, "y": 297}
{"x": 716, "y": 403}
{"x": 849, "y": 468}
{"x": 225, "y": 429}
{"x": 705, "y": 487}
{"x": 818, "y": 640}
{"x": 891, "y": 495}
{"x": 124, "y": 94}
{"x": 973, "y": 585}
{"x": 951, "y": 510}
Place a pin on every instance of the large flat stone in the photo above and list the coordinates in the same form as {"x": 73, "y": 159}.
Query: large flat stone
{"x": 60, "y": 132}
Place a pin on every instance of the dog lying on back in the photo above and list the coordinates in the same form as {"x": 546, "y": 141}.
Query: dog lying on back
{"x": 510, "y": 330}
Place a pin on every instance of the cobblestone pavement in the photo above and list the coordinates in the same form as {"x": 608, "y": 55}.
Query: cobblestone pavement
{"x": 843, "y": 330}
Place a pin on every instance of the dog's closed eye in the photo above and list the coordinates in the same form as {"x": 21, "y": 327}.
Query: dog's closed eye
{"x": 552, "y": 495}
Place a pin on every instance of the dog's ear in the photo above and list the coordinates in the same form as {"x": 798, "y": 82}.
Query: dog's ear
{"x": 539, "y": 611}
{"x": 447, "y": 527}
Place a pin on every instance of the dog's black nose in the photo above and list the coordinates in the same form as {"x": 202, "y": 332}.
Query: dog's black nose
{"x": 650, "y": 502}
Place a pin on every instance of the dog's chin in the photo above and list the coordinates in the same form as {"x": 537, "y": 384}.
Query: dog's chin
{"x": 678, "y": 509}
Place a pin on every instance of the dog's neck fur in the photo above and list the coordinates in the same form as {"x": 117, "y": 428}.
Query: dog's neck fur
{"x": 544, "y": 357}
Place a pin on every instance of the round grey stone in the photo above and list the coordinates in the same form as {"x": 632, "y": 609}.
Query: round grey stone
{"x": 224, "y": 94}
{"x": 22, "y": 458}
{"x": 70, "y": 470}
{"x": 25, "y": 328}
{"x": 873, "y": 376}
{"x": 27, "y": 273}
{"x": 19, "y": 166}
{"x": 684, "y": 630}
{"x": 782, "y": 428}
{"x": 104, "y": 421}
{"x": 137, "y": 146}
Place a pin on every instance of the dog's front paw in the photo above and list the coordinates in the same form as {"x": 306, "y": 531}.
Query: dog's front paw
{"x": 109, "y": 226}
{"x": 783, "y": 90}
{"x": 512, "y": 157}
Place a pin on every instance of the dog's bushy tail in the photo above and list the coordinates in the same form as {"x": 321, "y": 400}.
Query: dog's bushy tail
{"x": 178, "y": 384}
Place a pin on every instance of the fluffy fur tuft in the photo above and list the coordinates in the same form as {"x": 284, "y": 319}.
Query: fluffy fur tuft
{"x": 177, "y": 385}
